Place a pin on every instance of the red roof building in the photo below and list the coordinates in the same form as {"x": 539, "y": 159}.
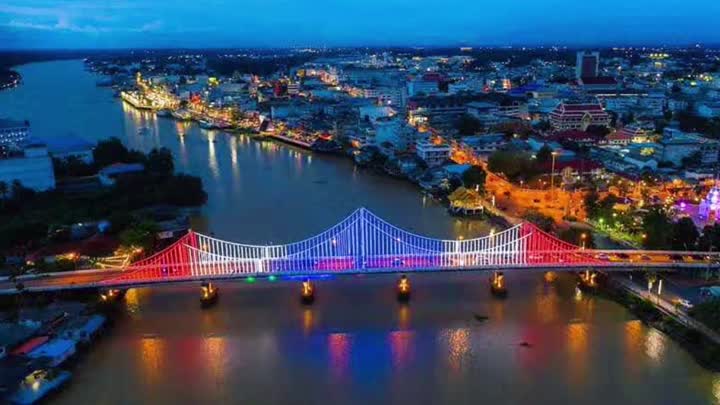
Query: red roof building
{"x": 569, "y": 116}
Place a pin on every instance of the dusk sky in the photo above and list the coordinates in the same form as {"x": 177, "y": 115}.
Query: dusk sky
{"x": 286, "y": 23}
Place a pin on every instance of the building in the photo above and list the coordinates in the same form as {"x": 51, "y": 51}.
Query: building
{"x": 578, "y": 116}
{"x": 587, "y": 64}
{"x": 678, "y": 145}
{"x": 433, "y": 153}
{"x": 486, "y": 144}
{"x": 34, "y": 169}
{"x": 709, "y": 109}
{"x": 13, "y": 133}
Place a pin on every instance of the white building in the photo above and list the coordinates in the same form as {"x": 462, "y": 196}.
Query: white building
{"x": 13, "y": 133}
{"x": 431, "y": 153}
{"x": 426, "y": 87}
{"x": 34, "y": 170}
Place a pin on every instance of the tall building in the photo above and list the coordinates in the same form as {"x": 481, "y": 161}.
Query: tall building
{"x": 588, "y": 64}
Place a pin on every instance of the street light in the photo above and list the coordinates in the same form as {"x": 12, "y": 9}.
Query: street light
{"x": 552, "y": 174}
{"x": 583, "y": 237}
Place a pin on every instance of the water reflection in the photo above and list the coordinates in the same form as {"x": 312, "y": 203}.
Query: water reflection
{"x": 458, "y": 345}
{"x": 578, "y": 346}
{"x": 401, "y": 348}
{"x": 654, "y": 345}
{"x": 152, "y": 357}
{"x": 215, "y": 356}
{"x": 339, "y": 347}
{"x": 308, "y": 321}
{"x": 212, "y": 158}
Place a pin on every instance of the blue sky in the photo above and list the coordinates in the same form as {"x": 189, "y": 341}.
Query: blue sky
{"x": 285, "y": 23}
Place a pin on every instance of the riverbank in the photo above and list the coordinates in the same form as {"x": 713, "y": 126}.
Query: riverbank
{"x": 704, "y": 350}
{"x": 44, "y": 337}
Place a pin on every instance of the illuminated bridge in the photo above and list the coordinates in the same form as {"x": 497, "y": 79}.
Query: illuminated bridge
{"x": 365, "y": 243}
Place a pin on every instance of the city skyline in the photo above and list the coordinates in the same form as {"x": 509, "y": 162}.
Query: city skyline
{"x": 52, "y": 24}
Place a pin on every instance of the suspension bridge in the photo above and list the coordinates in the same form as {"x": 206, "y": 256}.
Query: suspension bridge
{"x": 365, "y": 243}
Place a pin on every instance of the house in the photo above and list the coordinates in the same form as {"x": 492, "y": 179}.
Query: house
{"x": 109, "y": 174}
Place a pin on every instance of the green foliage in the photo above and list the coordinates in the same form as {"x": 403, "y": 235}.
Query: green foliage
{"x": 710, "y": 238}
{"x": 684, "y": 235}
{"x": 160, "y": 162}
{"x": 708, "y": 313}
{"x": 575, "y": 236}
{"x": 544, "y": 155}
{"x": 515, "y": 165}
{"x": 141, "y": 234}
{"x": 542, "y": 221}
{"x": 474, "y": 176}
{"x": 109, "y": 151}
{"x": 656, "y": 226}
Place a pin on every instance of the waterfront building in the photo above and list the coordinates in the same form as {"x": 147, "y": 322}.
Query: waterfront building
{"x": 570, "y": 115}
{"x": 13, "y": 133}
{"x": 433, "y": 152}
{"x": 33, "y": 169}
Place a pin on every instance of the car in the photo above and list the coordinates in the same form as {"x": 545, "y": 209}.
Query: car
{"x": 676, "y": 258}
{"x": 603, "y": 256}
{"x": 645, "y": 258}
{"x": 623, "y": 256}
{"x": 699, "y": 258}
{"x": 683, "y": 303}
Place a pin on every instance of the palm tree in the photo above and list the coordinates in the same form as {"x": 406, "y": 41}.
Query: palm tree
{"x": 3, "y": 190}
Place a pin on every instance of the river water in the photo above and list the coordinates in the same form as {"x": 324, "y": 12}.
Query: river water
{"x": 356, "y": 344}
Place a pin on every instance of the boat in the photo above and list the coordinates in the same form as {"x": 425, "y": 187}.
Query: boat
{"x": 163, "y": 112}
{"x": 307, "y": 295}
{"x": 38, "y": 384}
{"x": 181, "y": 115}
{"x": 403, "y": 289}
{"x": 205, "y": 124}
{"x": 56, "y": 351}
{"x": 111, "y": 295}
{"x": 480, "y": 318}
{"x": 208, "y": 295}
{"x": 497, "y": 285}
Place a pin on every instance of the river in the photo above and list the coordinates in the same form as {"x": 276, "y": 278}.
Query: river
{"x": 356, "y": 344}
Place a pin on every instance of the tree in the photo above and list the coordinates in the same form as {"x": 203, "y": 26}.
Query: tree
{"x": 540, "y": 220}
{"x": 514, "y": 164}
{"x": 474, "y": 177}
{"x": 710, "y": 238}
{"x": 184, "y": 190}
{"x": 655, "y": 227}
{"x": 109, "y": 151}
{"x": 3, "y": 193}
{"x": 575, "y": 236}
{"x": 544, "y": 155}
{"x": 160, "y": 162}
{"x": 684, "y": 235}
{"x": 139, "y": 235}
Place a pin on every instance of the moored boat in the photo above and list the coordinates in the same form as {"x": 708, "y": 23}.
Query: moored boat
{"x": 208, "y": 294}
{"x": 38, "y": 384}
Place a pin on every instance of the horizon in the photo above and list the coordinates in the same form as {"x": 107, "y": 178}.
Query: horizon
{"x": 275, "y": 24}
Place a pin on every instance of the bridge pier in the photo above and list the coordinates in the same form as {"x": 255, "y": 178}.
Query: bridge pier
{"x": 307, "y": 294}
{"x": 111, "y": 295}
{"x": 588, "y": 281}
{"x": 403, "y": 289}
{"x": 497, "y": 284}
{"x": 550, "y": 276}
